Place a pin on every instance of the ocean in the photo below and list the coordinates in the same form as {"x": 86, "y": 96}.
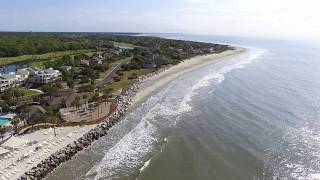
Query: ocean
{"x": 252, "y": 116}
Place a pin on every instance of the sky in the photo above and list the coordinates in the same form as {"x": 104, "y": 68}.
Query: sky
{"x": 299, "y": 19}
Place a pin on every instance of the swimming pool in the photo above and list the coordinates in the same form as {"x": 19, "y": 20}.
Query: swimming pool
{"x": 4, "y": 121}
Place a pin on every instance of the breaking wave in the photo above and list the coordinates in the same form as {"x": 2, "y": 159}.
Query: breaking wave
{"x": 158, "y": 115}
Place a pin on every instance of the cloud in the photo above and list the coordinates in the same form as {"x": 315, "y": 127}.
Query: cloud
{"x": 198, "y": 1}
{"x": 194, "y": 10}
{"x": 263, "y": 18}
{"x": 267, "y": 18}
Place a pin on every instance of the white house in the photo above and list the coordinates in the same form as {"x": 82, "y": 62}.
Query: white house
{"x": 39, "y": 76}
{"x": 23, "y": 74}
{"x": 96, "y": 60}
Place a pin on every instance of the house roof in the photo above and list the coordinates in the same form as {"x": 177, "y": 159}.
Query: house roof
{"x": 40, "y": 71}
{"x": 84, "y": 61}
{"x": 50, "y": 71}
{"x": 8, "y": 76}
{"x": 23, "y": 72}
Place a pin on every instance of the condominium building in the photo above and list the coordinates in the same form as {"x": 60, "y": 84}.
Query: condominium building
{"x": 8, "y": 81}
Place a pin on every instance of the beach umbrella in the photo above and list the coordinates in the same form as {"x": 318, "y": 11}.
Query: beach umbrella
{"x": 26, "y": 155}
{"x": 40, "y": 145}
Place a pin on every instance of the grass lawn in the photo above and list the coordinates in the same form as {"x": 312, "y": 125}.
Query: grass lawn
{"x": 51, "y": 55}
{"x": 42, "y": 64}
{"x": 112, "y": 66}
{"x": 125, "y": 81}
{"x": 31, "y": 92}
{"x": 124, "y": 44}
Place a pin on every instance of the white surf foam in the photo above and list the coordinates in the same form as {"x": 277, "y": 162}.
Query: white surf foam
{"x": 218, "y": 76}
{"x": 127, "y": 153}
{"x": 145, "y": 165}
{"x": 130, "y": 151}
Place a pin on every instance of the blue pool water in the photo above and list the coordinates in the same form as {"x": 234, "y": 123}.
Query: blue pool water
{"x": 4, "y": 121}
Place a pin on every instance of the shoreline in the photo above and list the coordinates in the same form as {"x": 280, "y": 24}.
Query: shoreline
{"x": 135, "y": 94}
{"x": 154, "y": 83}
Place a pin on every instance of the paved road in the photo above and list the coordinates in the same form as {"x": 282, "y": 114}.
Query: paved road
{"x": 112, "y": 74}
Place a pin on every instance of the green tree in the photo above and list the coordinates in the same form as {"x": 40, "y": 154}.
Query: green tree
{"x": 23, "y": 116}
{"x": 53, "y": 119}
{"x": 63, "y": 103}
{"x": 73, "y": 104}
{"x": 2, "y": 131}
{"x": 85, "y": 97}
{"x": 92, "y": 81}
{"x": 77, "y": 101}
{"x": 70, "y": 84}
{"x": 14, "y": 122}
{"x": 27, "y": 110}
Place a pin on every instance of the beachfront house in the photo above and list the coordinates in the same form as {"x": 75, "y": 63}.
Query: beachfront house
{"x": 84, "y": 62}
{"x": 96, "y": 61}
{"x": 149, "y": 61}
{"x": 98, "y": 55}
{"x": 107, "y": 55}
{"x": 149, "y": 64}
{"x": 39, "y": 76}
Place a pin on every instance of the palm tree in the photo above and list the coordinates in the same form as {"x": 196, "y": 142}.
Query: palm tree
{"x": 52, "y": 118}
{"x": 63, "y": 103}
{"x": 98, "y": 105}
{"x": 22, "y": 116}
{"x": 27, "y": 110}
{"x": 77, "y": 102}
{"x": 105, "y": 97}
{"x": 14, "y": 122}
{"x": 84, "y": 97}
{"x": 73, "y": 104}
{"x": 2, "y": 131}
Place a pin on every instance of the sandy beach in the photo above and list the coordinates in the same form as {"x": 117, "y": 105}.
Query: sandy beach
{"x": 155, "y": 82}
{"x": 44, "y": 140}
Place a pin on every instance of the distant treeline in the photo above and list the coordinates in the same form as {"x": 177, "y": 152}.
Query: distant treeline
{"x": 11, "y": 46}
{"x": 17, "y": 44}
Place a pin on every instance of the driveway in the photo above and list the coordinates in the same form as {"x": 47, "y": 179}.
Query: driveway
{"x": 113, "y": 73}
